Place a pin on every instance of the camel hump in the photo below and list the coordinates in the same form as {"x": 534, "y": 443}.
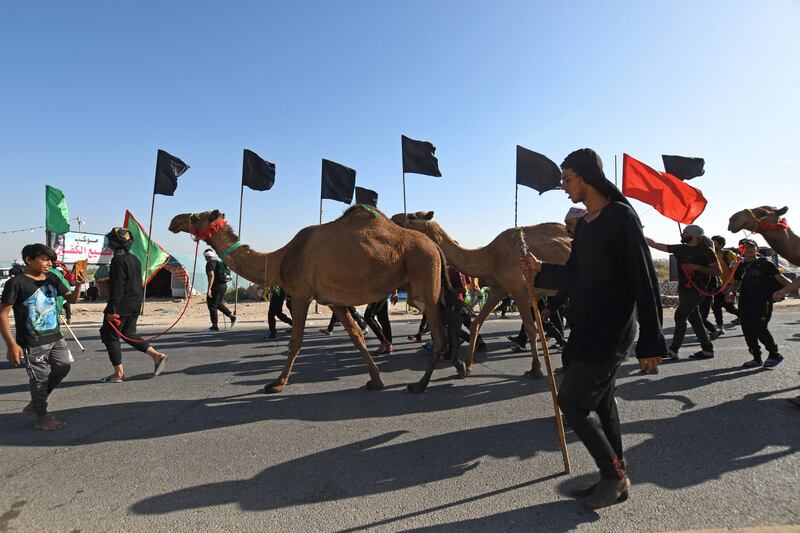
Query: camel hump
{"x": 362, "y": 210}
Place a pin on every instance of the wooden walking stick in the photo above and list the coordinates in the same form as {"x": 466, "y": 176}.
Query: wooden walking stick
{"x": 562, "y": 439}
{"x": 74, "y": 337}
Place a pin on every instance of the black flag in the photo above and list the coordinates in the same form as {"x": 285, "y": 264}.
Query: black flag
{"x": 168, "y": 168}
{"x": 537, "y": 171}
{"x": 338, "y": 182}
{"x": 418, "y": 157}
{"x": 257, "y": 173}
{"x": 366, "y": 196}
{"x": 684, "y": 168}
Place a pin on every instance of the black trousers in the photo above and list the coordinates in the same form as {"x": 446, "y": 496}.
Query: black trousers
{"x": 377, "y": 317}
{"x": 217, "y": 302}
{"x": 688, "y": 309}
{"x": 110, "y": 338}
{"x": 354, "y": 313}
{"x": 755, "y": 317}
{"x": 586, "y": 397}
{"x": 705, "y": 309}
{"x": 276, "y": 311}
{"x": 553, "y": 328}
{"x": 720, "y": 304}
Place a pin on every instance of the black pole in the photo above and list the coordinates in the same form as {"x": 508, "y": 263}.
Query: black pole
{"x": 147, "y": 258}
{"x": 236, "y": 282}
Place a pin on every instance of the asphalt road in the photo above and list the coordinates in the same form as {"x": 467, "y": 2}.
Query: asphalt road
{"x": 202, "y": 448}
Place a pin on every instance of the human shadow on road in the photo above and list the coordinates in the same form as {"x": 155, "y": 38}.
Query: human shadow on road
{"x": 375, "y": 465}
{"x": 686, "y": 450}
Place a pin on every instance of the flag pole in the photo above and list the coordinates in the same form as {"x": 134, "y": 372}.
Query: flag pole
{"x": 149, "y": 242}
{"x": 516, "y": 197}
{"x": 405, "y": 210}
{"x": 236, "y": 282}
{"x": 615, "y": 171}
{"x": 316, "y": 303}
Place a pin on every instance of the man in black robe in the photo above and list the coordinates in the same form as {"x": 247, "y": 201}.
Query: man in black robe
{"x": 610, "y": 276}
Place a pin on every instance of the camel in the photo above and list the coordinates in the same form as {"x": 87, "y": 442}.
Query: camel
{"x": 768, "y": 221}
{"x": 497, "y": 266}
{"x": 354, "y": 260}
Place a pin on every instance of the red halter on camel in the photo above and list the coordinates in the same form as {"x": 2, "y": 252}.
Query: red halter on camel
{"x": 762, "y": 224}
{"x": 206, "y": 234}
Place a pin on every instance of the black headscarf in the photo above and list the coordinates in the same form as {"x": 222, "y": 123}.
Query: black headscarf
{"x": 588, "y": 165}
{"x": 119, "y": 239}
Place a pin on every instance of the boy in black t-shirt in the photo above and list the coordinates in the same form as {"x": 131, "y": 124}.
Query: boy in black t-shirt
{"x": 756, "y": 279}
{"x": 39, "y": 343}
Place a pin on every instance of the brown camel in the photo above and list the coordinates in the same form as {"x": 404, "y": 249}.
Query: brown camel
{"x": 354, "y": 260}
{"x": 768, "y": 221}
{"x": 497, "y": 266}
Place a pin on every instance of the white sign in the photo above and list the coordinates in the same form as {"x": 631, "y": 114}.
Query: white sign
{"x": 74, "y": 246}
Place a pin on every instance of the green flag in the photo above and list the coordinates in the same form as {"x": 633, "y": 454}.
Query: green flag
{"x": 158, "y": 256}
{"x": 56, "y": 215}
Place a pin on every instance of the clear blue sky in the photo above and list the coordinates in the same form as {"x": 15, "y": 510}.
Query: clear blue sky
{"x": 90, "y": 91}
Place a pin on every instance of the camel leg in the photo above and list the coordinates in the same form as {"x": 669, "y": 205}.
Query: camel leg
{"x": 524, "y": 305}
{"x": 299, "y": 313}
{"x": 437, "y": 334}
{"x": 357, "y": 336}
{"x": 475, "y": 329}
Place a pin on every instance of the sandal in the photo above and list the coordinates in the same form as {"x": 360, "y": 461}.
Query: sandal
{"x": 112, "y": 379}
{"x": 159, "y": 368}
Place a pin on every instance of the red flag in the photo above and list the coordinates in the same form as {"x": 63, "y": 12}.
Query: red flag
{"x": 670, "y": 196}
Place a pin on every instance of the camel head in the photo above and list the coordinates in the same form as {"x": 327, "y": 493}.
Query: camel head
{"x": 421, "y": 221}
{"x": 750, "y": 219}
{"x": 194, "y": 223}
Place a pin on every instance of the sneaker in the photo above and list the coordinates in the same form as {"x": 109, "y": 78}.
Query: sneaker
{"x": 415, "y": 338}
{"x": 326, "y": 331}
{"x": 702, "y": 354}
{"x": 773, "y": 360}
{"x": 713, "y": 335}
{"x": 516, "y": 348}
{"x": 233, "y": 321}
{"x": 672, "y": 355}
{"x": 720, "y": 330}
{"x": 212, "y": 329}
{"x": 428, "y": 346}
{"x": 755, "y": 363}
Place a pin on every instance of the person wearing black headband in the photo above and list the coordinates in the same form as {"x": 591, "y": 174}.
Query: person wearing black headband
{"x": 610, "y": 278}
{"x": 125, "y": 296}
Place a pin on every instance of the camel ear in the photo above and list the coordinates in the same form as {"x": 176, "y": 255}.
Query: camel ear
{"x": 782, "y": 211}
{"x": 429, "y": 215}
{"x": 214, "y": 215}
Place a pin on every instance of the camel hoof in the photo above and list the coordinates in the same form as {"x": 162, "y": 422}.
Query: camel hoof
{"x": 274, "y": 388}
{"x": 534, "y": 374}
{"x": 468, "y": 370}
{"x": 462, "y": 372}
{"x": 416, "y": 387}
{"x": 372, "y": 385}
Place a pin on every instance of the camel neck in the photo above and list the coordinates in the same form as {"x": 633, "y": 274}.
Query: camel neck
{"x": 260, "y": 268}
{"x": 784, "y": 242}
{"x": 466, "y": 260}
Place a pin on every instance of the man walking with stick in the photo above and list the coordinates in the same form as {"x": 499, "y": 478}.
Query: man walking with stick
{"x": 610, "y": 277}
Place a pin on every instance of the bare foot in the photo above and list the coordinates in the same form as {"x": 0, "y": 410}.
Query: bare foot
{"x": 28, "y": 410}
{"x": 49, "y": 423}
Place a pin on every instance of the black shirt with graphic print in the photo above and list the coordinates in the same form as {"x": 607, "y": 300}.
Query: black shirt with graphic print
{"x": 758, "y": 280}
{"x": 35, "y": 308}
